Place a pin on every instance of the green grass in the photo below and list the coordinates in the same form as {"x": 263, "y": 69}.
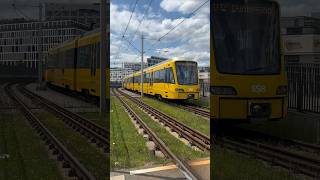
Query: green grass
{"x": 188, "y": 118}
{"x": 298, "y": 126}
{"x": 128, "y": 148}
{"x": 203, "y": 102}
{"x": 174, "y": 144}
{"x": 87, "y": 154}
{"x": 28, "y": 156}
{"x": 96, "y": 118}
{"x": 228, "y": 165}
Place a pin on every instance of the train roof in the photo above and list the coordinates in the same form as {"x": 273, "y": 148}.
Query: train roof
{"x": 83, "y": 37}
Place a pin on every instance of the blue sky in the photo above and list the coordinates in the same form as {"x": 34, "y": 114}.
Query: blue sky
{"x": 190, "y": 40}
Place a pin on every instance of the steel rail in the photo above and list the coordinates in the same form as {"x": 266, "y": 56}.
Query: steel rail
{"x": 58, "y": 149}
{"x": 287, "y": 159}
{"x": 196, "y": 110}
{"x": 90, "y": 130}
{"x": 193, "y": 136}
{"x": 182, "y": 165}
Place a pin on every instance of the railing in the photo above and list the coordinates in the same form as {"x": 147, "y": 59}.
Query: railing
{"x": 304, "y": 87}
{"x": 204, "y": 89}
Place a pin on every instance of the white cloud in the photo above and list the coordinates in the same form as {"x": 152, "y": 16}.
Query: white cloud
{"x": 190, "y": 40}
{"x": 183, "y": 6}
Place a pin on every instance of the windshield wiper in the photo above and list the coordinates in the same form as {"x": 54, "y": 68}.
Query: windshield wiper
{"x": 258, "y": 68}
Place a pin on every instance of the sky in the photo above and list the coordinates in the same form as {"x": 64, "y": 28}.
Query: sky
{"x": 190, "y": 40}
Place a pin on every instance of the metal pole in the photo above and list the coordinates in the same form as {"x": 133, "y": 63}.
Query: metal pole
{"x": 40, "y": 47}
{"x": 103, "y": 43}
{"x": 141, "y": 81}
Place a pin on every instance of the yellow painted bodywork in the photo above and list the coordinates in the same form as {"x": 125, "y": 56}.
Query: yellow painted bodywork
{"x": 79, "y": 79}
{"x": 165, "y": 90}
{"x": 236, "y": 107}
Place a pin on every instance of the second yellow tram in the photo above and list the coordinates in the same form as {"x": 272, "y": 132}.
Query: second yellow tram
{"x": 171, "y": 79}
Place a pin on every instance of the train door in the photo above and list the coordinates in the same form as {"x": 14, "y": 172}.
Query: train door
{"x": 93, "y": 70}
{"x": 146, "y": 82}
{"x": 75, "y": 55}
{"x": 151, "y": 84}
{"x": 169, "y": 82}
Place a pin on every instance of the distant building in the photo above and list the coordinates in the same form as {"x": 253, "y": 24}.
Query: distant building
{"x": 19, "y": 38}
{"x": 88, "y": 14}
{"x": 134, "y": 66}
{"x": 153, "y": 60}
{"x": 204, "y": 74}
{"x": 19, "y": 42}
{"x": 117, "y": 74}
{"x": 301, "y": 39}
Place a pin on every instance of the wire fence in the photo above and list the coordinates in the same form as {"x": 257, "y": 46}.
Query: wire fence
{"x": 304, "y": 87}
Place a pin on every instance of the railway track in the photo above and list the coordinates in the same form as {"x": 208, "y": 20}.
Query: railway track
{"x": 196, "y": 110}
{"x": 160, "y": 145}
{"x": 194, "y": 137}
{"x": 259, "y": 136}
{"x": 270, "y": 149}
{"x": 277, "y": 156}
{"x": 63, "y": 155}
{"x": 95, "y": 133}
{"x": 191, "y": 108}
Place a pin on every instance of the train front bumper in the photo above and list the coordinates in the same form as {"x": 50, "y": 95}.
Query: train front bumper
{"x": 242, "y": 108}
{"x": 183, "y": 95}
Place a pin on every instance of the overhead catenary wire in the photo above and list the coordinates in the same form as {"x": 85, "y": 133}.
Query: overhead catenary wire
{"x": 133, "y": 9}
{"x": 125, "y": 30}
{"x": 19, "y": 12}
{"x": 143, "y": 17}
{"x": 174, "y": 27}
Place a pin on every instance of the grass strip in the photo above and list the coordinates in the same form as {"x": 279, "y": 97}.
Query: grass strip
{"x": 174, "y": 144}
{"x": 231, "y": 165}
{"x": 128, "y": 148}
{"x": 88, "y": 155}
{"x": 28, "y": 157}
{"x": 96, "y": 118}
{"x": 188, "y": 118}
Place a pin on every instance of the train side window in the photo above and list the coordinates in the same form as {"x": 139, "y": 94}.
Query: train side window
{"x": 84, "y": 57}
{"x": 169, "y": 76}
{"x": 156, "y": 77}
{"x": 162, "y": 76}
{"x": 146, "y": 78}
{"x": 69, "y": 57}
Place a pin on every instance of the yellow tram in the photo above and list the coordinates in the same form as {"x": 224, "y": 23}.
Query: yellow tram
{"x": 171, "y": 79}
{"x": 75, "y": 65}
{"x": 248, "y": 76}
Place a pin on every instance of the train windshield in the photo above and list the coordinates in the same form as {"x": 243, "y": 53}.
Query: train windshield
{"x": 187, "y": 73}
{"x": 246, "y": 37}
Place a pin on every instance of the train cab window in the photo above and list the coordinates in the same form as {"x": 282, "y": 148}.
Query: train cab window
{"x": 187, "y": 73}
{"x": 169, "y": 76}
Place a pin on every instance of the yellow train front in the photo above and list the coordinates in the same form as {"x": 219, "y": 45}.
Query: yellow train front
{"x": 172, "y": 79}
{"x": 75, "y": 65}
{"x": 248, "y": 77}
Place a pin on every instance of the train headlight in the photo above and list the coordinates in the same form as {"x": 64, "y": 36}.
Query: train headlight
{"x": 222, "y": 90}
{"x": 282, "y": 90}
{"x": 180, "y": 90}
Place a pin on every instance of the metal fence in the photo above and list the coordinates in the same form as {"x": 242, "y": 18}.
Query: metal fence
{"x": 204, "y": 89}
{"x": 304, "y": 86}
